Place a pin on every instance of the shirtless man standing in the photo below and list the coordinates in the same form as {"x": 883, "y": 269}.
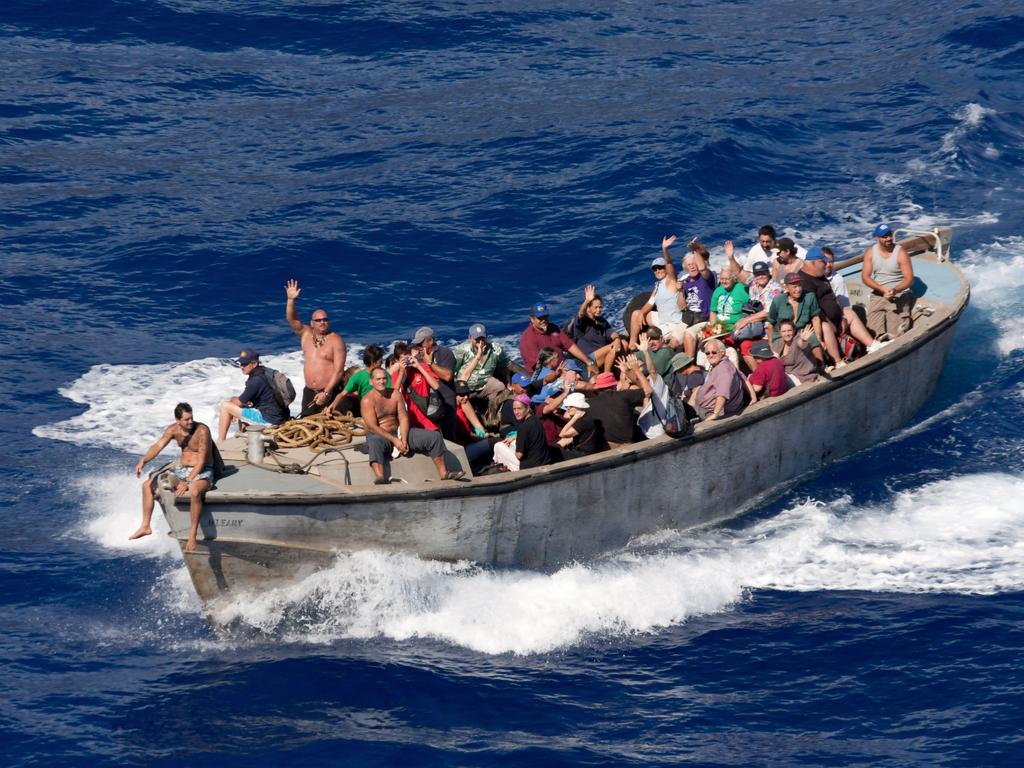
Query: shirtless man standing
{"x": 195, "y": 470}
{"x": 323, "y": 351}
{"x": 387, "y": 423}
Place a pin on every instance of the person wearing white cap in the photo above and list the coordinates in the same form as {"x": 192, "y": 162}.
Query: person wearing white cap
{"x": 581, "y": 435}
{"x": 887, "y": 271}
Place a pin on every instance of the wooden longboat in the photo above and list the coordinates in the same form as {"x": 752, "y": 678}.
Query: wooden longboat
{"x": 262, "y": 528}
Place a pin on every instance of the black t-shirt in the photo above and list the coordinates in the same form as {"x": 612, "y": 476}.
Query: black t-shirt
{"x": 822, "y": 290}
{"x": 446, "y": 359}
{"x": 589, "y": 435}
{"x": 506, "y": 418}
{"x": 531, "y": 443}
{"x": 590, "y": 334}
{"x": 260, "y": 393}
{"x": 683, "y": 384}
{"x": 615, "y": 412}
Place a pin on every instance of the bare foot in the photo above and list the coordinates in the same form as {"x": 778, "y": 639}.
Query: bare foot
{"x": 144, "y": 530}
{"x": 190, "y": 545}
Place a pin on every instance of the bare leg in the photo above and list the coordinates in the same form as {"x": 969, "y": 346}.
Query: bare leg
{"x": 148, "y": 489}
{"x": 378, "y": 470}
{"x": 439, "y": 463}
{"x": 196, "y": 491}
{"x": 228, "y": 413}
{"x": 636, "y": 322}
{"x": 690, "y": 344}
{"x": 750, "y": 363}
{"x": 819, "y": 356}
{"x": 829, "y": 332}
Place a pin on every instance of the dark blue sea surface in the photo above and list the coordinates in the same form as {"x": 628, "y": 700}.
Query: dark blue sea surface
{"x": 165, "y": 167}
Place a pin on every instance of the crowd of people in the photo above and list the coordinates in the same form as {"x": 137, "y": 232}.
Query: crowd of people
{"x": 702, "y": 347}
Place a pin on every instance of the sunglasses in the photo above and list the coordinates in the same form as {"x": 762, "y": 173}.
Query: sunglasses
{"x": 320, "y": 319}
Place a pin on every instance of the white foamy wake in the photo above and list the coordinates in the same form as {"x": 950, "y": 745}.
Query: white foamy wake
{"x": 130, "y": 405}
{"x": 994, "y": 270}
{"x": 964, "y": 535}
{"x": 968, "y": 118}
{"x": 113, "y": 510}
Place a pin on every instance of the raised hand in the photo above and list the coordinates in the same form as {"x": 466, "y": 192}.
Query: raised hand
{"x": 589, "y": 292}
{"x": 729, "y": 249}
{"x": 667, "y": 241}
{"x": 643, "y": 343}
{"x": 292, "y": 290}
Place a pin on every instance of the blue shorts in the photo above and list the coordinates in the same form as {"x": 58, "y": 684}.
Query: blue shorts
{"x": 182, "y": 473}
{"x": 253, "y": 416}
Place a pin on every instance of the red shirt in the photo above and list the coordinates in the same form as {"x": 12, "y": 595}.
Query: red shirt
{"x": 771, "y": 373}
{"x": 532, "y": 341}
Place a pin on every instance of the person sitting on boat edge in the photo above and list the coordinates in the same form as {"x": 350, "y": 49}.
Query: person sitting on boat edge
{"x": 441, "y": 362}
{"x": 199, "y": 467}
{"x": 593, "y": 333}
{"x": 323, "y": 352}
{"x": 769, "y": 378}
{"x": 542, "y": 333}
{"x": 479, "y": 361}
{"x": 387, "y": 427}
{"x": 834, "y": 319}
{"x": 888, "y": 272}
{"x": 662, "y": 308}
{"x": 721, "y": 394}
{"x": 258, "y": 403}
{"x": 852, "y": 324}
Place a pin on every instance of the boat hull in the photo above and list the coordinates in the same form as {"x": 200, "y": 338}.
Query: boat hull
{"x": 579, "y": 509}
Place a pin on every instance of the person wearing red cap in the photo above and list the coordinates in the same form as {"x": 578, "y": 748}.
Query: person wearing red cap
{"x": 887, "y": 271}
{"x": 615, "y": 409}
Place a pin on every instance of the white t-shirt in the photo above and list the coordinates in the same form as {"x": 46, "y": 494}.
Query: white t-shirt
{"x": 838, "y": 284}
{"x": 756, "y": 254}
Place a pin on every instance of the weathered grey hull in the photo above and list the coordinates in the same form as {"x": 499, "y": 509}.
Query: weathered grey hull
{"x": 579, "y": 509}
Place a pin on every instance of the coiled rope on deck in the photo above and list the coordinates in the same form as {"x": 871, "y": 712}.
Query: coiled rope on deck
{"x": 317, "y": 431}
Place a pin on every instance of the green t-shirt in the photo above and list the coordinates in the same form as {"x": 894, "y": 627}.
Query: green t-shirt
{"x": 728, "y": 305}
{"x": 360, "y": 382}
{"x": 780, "y": 309}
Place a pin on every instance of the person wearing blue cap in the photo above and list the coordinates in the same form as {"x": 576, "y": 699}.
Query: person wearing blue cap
{"x": 814, "y": 280}
{"x": 887, "y": 271}
{"x": 540, "y": 333}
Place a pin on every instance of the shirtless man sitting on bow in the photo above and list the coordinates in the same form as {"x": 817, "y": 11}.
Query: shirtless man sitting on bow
{"x": 195, "y": 470}
{"x": 323, "y": 351}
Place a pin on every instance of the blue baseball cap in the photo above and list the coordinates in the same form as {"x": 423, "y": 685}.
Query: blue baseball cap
{"x": 246, "y": 356}
{"x": 573, "y": 365}
{"x": 658, "y": 262}
{"x": 814, "y": 254}
{"x": 477, "y": 331}
{"x": 882, "y": 230}
{"x": 521, "y": 379}
{"x": 540, "y": 309}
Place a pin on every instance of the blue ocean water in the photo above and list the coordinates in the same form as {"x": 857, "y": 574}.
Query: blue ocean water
{"x": 166, "y": 165}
